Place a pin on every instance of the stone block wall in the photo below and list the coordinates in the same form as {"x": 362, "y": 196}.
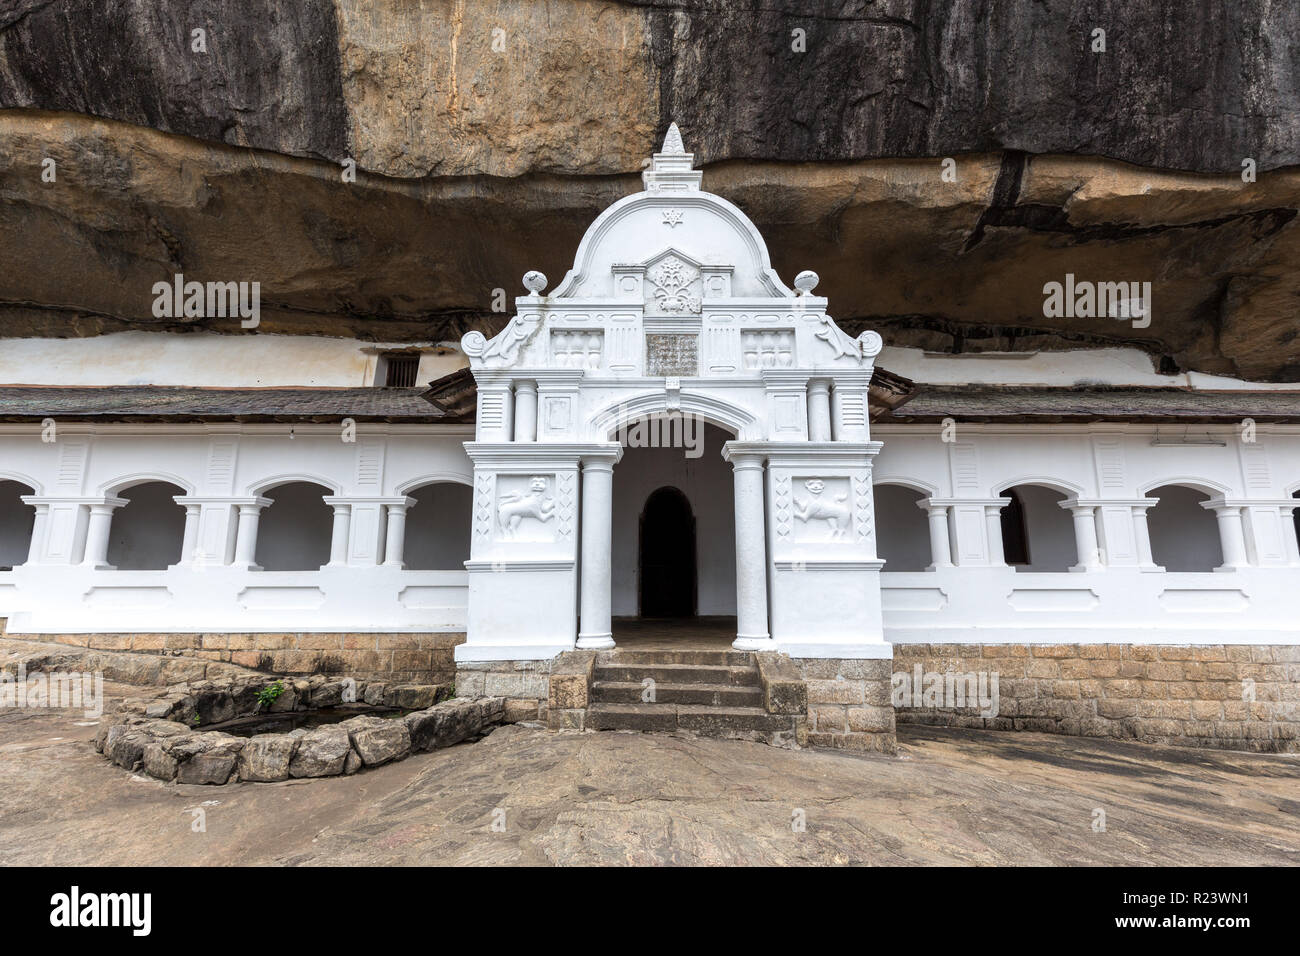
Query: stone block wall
{"x": 1234, "y": 696}
{"x": 525, "y": 685}
{"x": 424, "y": 658}
{"x": 849, "y": 705}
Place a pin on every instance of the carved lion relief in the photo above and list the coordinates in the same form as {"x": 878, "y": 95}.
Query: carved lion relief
{"x": 825, "y": 511}
{"x": 533, "y": 501}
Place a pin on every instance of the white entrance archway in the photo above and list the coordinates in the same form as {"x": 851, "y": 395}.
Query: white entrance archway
{"x": 672, "y": 308}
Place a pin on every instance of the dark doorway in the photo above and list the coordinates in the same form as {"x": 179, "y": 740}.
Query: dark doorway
{"x": 667, "y": 555}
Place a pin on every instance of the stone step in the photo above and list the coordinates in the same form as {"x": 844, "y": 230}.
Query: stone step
{"x": 646, "y": 717}
{"x": 748, "y": 722}
{"x": 713, "y": 695}
{"x": 718, "y": 658}
{"x": 679, "y": 674}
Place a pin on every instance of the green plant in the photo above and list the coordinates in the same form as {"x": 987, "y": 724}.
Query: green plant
{"x": 195, "y": 720}
{"x": 269, "y": 694}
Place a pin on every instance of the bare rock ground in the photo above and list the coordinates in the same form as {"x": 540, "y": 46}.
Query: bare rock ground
{"x": 524, "y": 796}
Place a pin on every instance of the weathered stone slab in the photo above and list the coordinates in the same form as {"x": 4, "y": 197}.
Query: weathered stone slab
{"x": 321, "y": 753}
{"x": 266, "y": 758}
{"x": 378, "y": 741}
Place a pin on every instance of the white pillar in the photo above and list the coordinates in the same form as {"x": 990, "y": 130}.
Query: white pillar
{"x": 819, "y": 410}
{"x": 1289, "y": 541}
{"x": 595, "y": 628}
{"x": 940, "y": 545}
{"x": 1232, "y": 535}
{"x": 339, "y": 534}
{"x": 525, "y": 411}
{"x": 751, "y": 555}
{"x": 190, "y": 539}
{"x": 395, "y": 539}
{"x": 1142, "y": 534}
{"x": 97, "y": 531}
{"x": 1085, "y": 535}
{"x": 993, "y": 532}
{"x": 38, "y": 533}
{"x": 250, "y": 513}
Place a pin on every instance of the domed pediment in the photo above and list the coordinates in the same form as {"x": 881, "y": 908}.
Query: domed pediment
{"x": 671, "y": 281}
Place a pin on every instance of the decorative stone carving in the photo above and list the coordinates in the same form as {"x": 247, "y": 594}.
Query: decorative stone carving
{"x": 577, "y": 348}
{"x": 503, "y": 350}
{"x": 672, "y": 218}
{"x": 806, "y": 281}
{"x": 672, "y": 280}
{"x": 843, "y": 344}
{"x": 771, "y": 348}
{"x": 833, "y": 509}
{"x": 514, "y": 507}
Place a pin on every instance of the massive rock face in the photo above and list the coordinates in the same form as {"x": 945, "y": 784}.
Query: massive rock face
{"x": 487, "y": 136}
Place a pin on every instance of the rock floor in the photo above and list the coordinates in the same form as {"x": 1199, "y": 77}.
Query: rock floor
{"x": 525, "y": 796}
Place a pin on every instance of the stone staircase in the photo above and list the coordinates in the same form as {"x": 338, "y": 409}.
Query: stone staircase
{"x": 711, "y": 693}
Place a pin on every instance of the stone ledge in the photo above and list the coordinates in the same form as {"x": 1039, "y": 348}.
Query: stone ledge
{"x": 384, "y": 655}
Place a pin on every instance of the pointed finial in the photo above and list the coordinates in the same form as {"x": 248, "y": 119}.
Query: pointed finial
{"x": 673, "y": 141}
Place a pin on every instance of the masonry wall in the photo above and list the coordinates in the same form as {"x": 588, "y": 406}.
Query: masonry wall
{"x": 1183, "y": 695}
{"x": 849, "y": 704}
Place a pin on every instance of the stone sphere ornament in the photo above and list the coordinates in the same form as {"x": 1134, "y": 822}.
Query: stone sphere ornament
{"x": 534, "y": 282}
{"x": 806, "y": 281}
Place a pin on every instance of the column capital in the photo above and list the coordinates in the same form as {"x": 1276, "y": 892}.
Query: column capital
{"x": 1223, "y": 501}
{"x": 250, "y": 505}
{"x": 959, "y": 502}
{"x": 603, "y": 459}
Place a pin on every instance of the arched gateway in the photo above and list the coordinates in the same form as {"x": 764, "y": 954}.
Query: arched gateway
{"x": 672, "y": 309}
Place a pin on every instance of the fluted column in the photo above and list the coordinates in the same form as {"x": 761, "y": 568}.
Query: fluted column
{"x": 595, "y": 627}
{"x": 751, "y": 555}
{"x": 97, "y": 532}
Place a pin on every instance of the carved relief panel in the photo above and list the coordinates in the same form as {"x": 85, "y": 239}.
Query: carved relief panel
{"x": 768, "y": 348}
{"x": 526, "y": 508}
{"x": 822, "y": 509}
{"x": 577, "y": 348}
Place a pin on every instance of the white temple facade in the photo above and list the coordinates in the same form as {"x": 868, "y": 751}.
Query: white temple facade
{"x": 669, "y": 419}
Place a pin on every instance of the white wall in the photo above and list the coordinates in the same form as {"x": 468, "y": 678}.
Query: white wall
{"x": 251, "y": 360}
{"x": 707, "y": 483}
{"x": 438, "y": 527}
{"x": 148, "y": 532}
{"x": 902, "y": 533}
{"x": 1184, "y": 536}
{"x": 15, "y": 524}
